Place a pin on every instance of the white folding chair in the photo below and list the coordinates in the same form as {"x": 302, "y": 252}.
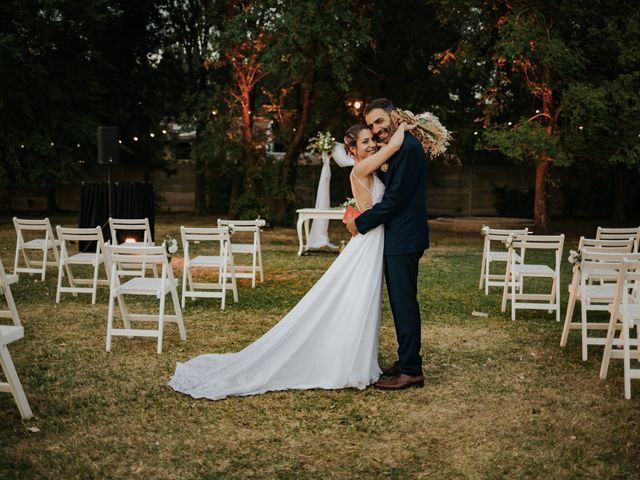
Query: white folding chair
{"x": 94, "y": 259}
{"x": 515, "y": 275}
{"x": 603, "y": 246}
{"x": 604, "y": 233}
{"x": 254, "y": 248}
{"x": 43, "y": 242}
{"x": 596, "y": 290}
{"x": 625, "y": 315}
{"x": 222, "y": 264}
{"x": 6, "y": 280}
{"x": 117, "y": 225}
{"x": 160, "y": 287}
{"x": 8, "y": 334}
{"x": 488, "y": 279}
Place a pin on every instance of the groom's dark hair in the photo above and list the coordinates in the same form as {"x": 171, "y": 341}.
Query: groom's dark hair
{"x": 383, "y": 103}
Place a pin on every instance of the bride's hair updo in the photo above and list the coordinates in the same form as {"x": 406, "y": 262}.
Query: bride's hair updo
{"x": 351, "y": 137}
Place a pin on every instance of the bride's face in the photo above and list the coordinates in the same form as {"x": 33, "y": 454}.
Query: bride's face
{"x": 365, "y": 145}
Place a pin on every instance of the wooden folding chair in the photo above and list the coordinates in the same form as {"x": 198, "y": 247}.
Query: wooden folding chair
{"x": 605, "y": 233}
{"x": 625, "y": 316}
{"x": 93, "y": 259}
{"x": 516, "y": 273}
{"x": 119, "y": 227}
{"x": 160, "y": 287}
{"x": 597, "y": 289}
{"x": 43, "y": 242}
{"x": 254, "y": 248}
{"x": 603, "y": 246}
{"x": 8, "y": 334}
{"x": 489, "y": 256}
{"x": 6, "y": 280}
{"x": 222, "y": 264}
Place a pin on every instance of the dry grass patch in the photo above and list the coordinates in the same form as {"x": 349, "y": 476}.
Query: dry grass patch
{"x": 503, "y": 400}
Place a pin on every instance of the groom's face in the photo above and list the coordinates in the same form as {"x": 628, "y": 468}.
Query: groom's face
{"x": 379, "y": 121}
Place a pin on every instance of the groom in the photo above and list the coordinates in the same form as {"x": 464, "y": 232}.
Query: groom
{"x": 403, "y": 212}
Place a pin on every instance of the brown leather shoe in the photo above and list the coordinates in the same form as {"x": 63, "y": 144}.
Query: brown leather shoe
{"x": 400, "y": 382}
{"x": 393, "y": 370}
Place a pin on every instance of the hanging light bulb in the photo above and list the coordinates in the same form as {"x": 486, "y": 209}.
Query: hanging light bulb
{"x": 135, "y": 139}
{"x": 152, "y": 135}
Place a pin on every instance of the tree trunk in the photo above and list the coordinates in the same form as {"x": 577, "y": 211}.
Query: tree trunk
{"x": 200, "y": 202}
{"x": 619, "y": 190}
{"x": 540, "y": 219}
{"x": 290, "y": 161}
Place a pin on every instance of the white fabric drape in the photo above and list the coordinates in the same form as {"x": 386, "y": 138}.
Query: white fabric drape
{"x": 319, "y": 233}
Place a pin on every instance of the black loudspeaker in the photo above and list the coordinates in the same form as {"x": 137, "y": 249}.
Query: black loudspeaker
{"x": 108, "y": 147}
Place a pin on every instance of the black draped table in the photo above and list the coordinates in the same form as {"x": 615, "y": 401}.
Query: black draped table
{"x": 128, "y": 200}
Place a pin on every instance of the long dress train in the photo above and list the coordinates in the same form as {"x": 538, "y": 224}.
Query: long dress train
{"x": 328, "y": 340}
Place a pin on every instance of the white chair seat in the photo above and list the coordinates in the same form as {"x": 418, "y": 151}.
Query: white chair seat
{"x": 10, "y": 333}
{"x": 39, "y": 244}
{"x": 243, "y": 248}
{"x": 206, "y": 261}
{"x": 534, "y": 270}
{"x": 598, "y": 292}
{"x": 144, "y": 285}
{"x": 88, "y": 258}
{"x": 502, "y": 257}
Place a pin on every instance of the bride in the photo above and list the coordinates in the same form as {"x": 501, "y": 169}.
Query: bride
{"x": 330, "y": 338}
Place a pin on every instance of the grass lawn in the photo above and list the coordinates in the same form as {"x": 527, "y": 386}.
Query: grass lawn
{"x": 502, "y": 399}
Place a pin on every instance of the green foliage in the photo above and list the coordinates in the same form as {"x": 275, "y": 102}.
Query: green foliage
{"x": 526, "y": 141}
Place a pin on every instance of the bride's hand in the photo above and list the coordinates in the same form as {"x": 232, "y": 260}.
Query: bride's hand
{"x": 398, "y": 136}
{"x": 408, "y": 126}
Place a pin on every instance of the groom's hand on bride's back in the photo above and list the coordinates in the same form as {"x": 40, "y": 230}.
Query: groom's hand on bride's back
{"x": 351, "y": 226}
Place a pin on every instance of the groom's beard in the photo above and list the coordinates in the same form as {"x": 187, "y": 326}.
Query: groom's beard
{"x": 387, "y": 133}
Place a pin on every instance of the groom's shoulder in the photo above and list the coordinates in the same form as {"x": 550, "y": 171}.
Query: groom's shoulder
{"x": 412, "y": 146}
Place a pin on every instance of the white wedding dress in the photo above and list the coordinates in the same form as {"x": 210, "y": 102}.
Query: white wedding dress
{"x": 328, "y": 340}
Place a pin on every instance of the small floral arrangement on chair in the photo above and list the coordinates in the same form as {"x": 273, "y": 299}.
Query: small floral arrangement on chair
{"x": 484, "y": 231}
{"x": 508, "y": 241}
{"x": 170, "y": 245}
{"x": 574, "y": 257}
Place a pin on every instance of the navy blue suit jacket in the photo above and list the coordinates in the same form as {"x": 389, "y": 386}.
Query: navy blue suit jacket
{"x": 402, "y": 209}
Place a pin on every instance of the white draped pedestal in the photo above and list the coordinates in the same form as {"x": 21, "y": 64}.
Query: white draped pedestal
{"x": 304, "y": 217}
{"x": 318, "y": 236}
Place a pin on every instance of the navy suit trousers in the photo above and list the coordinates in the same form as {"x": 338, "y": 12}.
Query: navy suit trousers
{"x": 401, "y": 276}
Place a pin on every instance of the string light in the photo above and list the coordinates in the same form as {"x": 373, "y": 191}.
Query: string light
{"x": 78, "y": 145}
{"x": 164, "y": 131}
{"x": 510, "y": 123}
{"x": 135, "y": 139}
{"x": 357, "y": 104}
{"x": 580, "y": 127}
{"x": 537, "y": 111}
{"x": 475, "y": 133}
{"x": 52, "y": 144}
{"x": 152, "y": 135}
{"x": 120, "y": 142}
{"x": 22, "y": 145}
